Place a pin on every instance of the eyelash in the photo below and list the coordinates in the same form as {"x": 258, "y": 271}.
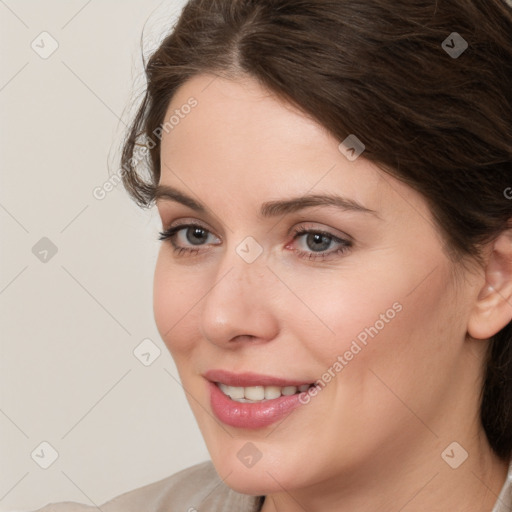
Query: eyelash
{"x": 170, "y": 234}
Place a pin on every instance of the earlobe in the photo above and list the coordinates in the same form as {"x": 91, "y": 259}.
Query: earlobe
{"x": 493, "y": 307}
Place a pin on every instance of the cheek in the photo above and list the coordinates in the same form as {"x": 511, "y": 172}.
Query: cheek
{"x": 398, "y": 343}
{"x": 337, "y": 308}
{"x": 399, "y": 322}
{"x": 174, "y": 297}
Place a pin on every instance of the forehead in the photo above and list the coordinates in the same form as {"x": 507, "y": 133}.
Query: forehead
{"x": 242, "y": 110}
{"x": 238, "y": 129}
{"x": 240, "y": 141}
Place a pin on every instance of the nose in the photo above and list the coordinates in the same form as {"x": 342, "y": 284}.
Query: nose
{"x": 238, "y": 307}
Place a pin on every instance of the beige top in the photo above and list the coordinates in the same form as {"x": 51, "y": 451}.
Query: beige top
{"x": 199, "y": 488}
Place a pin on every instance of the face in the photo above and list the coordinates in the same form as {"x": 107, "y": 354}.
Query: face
{"x": 260, "y": 292}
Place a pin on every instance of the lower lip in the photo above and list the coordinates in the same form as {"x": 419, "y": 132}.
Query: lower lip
{"x": 251, "y": 415}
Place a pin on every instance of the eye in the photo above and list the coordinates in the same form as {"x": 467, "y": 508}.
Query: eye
{"x": 194, "y": 234}
{"x": 184, "y": 236}
{"x": 319, "y": 241}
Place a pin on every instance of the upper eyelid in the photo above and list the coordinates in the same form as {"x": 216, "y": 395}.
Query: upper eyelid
{"x": 301, "y": 214}
{"x": 187, "y": 224}
{"x": 296, "y": 231}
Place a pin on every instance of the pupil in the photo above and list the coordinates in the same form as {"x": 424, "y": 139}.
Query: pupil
{"x": 198, "y": 234}
{"x": 318, "y": 238}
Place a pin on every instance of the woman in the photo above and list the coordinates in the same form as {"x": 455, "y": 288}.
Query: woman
{"x": 334, "y": 180}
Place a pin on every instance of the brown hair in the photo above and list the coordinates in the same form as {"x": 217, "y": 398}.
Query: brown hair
{"x": 438, "y": 121}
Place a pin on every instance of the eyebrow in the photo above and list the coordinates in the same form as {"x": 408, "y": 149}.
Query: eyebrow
{"x": 270, "y": 208}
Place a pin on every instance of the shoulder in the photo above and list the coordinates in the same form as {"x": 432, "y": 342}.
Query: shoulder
{"x": 504, "y": 502}
{"x": 185, "y": 491}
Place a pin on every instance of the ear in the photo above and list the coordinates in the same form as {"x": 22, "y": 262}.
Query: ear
{"x": 493, "y": 308}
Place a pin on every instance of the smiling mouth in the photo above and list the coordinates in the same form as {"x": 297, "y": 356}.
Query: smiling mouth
{"x": 257, "y": 394}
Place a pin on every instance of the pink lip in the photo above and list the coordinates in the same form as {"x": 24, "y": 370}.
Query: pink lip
{"x": 250, "y": 379}
{"x": 247, "y": 415}
{"x": 250, "y": 415}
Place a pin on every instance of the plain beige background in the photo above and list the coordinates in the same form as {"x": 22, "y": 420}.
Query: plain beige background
{"x": 71, "y": 321}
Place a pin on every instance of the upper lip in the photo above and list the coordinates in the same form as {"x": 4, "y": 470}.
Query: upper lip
{"x": 247, "y": 379}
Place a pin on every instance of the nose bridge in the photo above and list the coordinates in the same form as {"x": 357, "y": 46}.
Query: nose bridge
{"x": 237, "y": 304}
{"x": 242, "y": 266}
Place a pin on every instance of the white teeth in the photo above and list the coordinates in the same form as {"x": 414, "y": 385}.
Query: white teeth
{"x": 233, "y": 391}
{"x": 254, "y": 393}
{"x": 259, "y": 393}
{"x": 289, "y": 390}
{"x": 223, "y": 387}
{"x": 272, "y": 392}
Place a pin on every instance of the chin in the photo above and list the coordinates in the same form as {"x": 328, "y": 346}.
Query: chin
{"x": 266, "y": 473}
{"x": 255, "y": 481}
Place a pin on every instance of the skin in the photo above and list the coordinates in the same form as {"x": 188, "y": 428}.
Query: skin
{"x": 372, "y": 439}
